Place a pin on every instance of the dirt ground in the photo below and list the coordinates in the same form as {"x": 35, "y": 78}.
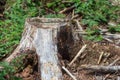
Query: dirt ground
{"x": 90, "y": 56}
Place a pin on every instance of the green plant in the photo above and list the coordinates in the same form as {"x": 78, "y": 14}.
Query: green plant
{"x": 9, "y": 69}
{"x": 56, "y": 5}
{"x": 11, "y": 28}
{"x": 96, "y": 12}
{"x": 93, "y": 35}
{"x": 114, "y": 29}
{"x": 18, "y": 63}
{"x": 7, "y": 72}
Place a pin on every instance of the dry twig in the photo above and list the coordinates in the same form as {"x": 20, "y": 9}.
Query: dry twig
{"x": 78, "y": 54}
{"x": 114, "y": 61}
{"x": 100, "y": 57}
{"x": 81, "y": 32}
{"x": 73, "y": 13}
{"x": 109, "y": 40}
{"x": 103, "y": 30}
{"x": 112, "y": 36}
{"x": 66, "y": 70}
{"x": 75, "y": 16}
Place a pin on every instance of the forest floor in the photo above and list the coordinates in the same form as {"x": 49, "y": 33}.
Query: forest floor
{"x": 94, "y": 54}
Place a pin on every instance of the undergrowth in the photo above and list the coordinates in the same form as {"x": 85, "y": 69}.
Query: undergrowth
{"x": 95, "y": 13}
{"x": 9, "y": 69}
{"x": 11, "y": 28}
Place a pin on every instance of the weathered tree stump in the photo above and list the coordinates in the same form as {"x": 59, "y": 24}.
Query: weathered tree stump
{"x": 40, "y": 35}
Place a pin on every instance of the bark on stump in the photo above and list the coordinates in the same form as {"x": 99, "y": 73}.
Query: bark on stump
{"x": 40, "y": 35}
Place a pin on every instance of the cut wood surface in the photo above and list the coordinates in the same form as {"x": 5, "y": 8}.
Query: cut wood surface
{"x": 40, "y": 35}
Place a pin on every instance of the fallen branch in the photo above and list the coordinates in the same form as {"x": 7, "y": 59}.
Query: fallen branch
{"x": 112, "y": 36}
{"x": 66, "y": 70}
{"x": 109, "y": 40}
{"x": 97, "y": 68}
{"x": 78, "y": 54}
{"x": 103, "y": 30}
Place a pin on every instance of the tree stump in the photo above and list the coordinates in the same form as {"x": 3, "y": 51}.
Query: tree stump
{"x": 40, "y": 35}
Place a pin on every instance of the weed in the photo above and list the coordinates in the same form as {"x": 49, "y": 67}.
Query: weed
{"x": 7, "y": 72}
{"x": 114, "y": 29}
{"x": 96, "y": 12}
{"x": 9, "y": 69}
{"x": 11, "y": 28}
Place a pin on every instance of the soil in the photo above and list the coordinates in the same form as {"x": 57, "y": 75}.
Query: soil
{"x": 89, "y": 57}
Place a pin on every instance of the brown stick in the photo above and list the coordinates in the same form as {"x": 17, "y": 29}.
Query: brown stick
{"x": 79, "y": 26}
{"x": 100, "y": 57}
{"x": 68, "y": 72}
{"x": 114, "y": 61}
{"x": 78, "y": 54}
{"x": 112, "y": 36}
